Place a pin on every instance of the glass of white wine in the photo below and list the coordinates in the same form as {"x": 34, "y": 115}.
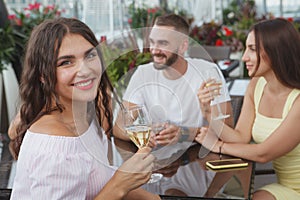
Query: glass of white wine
{"x": 217, "y": 90}
{"x": 137, "y": 125}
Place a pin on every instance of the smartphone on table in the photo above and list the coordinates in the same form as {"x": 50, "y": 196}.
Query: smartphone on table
{"x": 226, "y": 164}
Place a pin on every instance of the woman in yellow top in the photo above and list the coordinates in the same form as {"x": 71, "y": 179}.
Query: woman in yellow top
{"x": 271, "y": 111}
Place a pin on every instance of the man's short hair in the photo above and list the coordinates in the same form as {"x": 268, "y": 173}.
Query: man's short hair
{"x": 176, "y": 21}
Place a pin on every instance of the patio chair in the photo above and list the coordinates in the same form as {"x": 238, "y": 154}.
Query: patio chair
{"x": 214, "y": 54}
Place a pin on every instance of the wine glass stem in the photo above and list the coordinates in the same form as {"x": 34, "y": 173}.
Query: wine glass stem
{"x": 219, "y": 109}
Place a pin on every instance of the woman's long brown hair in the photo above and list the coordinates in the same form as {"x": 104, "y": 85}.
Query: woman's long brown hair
{"x": 40, "y": 61}
{"x": 281, "y": 42}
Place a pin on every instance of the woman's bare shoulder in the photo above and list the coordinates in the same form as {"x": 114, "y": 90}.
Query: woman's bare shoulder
{"x": 51, "y": 125}
{"x": 252, "y": 83}
{"x": 251, "y": 87}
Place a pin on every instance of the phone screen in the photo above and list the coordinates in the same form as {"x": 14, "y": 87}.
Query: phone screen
{"x": 227, "y": 163}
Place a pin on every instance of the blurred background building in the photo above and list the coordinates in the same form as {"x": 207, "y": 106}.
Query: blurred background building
{"x": 107, "y": 16}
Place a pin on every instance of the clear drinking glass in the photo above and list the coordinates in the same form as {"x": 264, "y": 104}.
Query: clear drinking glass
{"x": 138, "y": 125}
{"x": 158, "y": 126}
{"x": 217, "y": 90}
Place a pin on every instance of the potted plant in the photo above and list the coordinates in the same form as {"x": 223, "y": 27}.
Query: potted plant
{"x": 6, "y": 40}
{"x": 15, "y": 33}
{"x": 121, "y": 57}
{"x": 6, "y": 47}
{"x": 215, "y": 34}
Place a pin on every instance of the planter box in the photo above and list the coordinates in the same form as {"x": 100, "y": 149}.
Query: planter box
{"x": 9, "y": 97}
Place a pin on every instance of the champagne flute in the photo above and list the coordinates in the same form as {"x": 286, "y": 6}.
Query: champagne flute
{"x": 158, "y": 125}
{"x": 138, "y": 127}
{"x": 215, "y": 81}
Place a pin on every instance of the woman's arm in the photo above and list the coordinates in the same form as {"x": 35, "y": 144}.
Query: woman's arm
{"x": 243, "y": 129}
{"x": 273, "y": 147}
{"x": 285, "y": 138}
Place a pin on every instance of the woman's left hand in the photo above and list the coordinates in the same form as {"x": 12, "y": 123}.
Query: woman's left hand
{"x": 208, "y": 139}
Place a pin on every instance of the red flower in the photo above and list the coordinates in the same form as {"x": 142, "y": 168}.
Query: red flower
{"x": 132, "y": 65}
{"x": 228, "y": 32}
{"x": 58, "y": 13}
{"x": 151, "y": 10}
{"x": 103, "y": 38}
{"x": 34, "y": 6}
{"x": 290, "y": 19}
{"x": 129, "y": 21}
{"x": 18, "y": 22}
{"x": 15, "y": 19}
{"x": 50, "y": 7}
{"x": 11, "y": 17}
{"x": 219, "y": 42}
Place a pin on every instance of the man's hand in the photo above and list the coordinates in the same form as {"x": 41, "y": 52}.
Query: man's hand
{"x": 170, "y": 135}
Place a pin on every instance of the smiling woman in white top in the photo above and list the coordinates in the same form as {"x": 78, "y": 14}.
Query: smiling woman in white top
{"x": 59, "y": 143}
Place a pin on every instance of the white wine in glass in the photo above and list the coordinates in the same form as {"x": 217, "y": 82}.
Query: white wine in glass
{"x": 215, "y": 81}
{"x": 139, "y": 134}
{"x": 137, "y": 125}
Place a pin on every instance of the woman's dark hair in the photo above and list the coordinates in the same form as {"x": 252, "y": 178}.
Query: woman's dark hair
{"x": 38, "y": 81}
{"x": 281, "y": 42}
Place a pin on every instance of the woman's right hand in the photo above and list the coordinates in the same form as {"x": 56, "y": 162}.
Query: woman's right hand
{"x": 136, "y": 171}
{"x": 205, "y": 99}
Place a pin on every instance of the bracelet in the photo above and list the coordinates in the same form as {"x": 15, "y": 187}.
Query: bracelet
{"x": 220, "y": 149}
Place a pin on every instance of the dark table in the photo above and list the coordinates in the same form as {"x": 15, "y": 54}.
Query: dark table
{"x": 186, "y": 175}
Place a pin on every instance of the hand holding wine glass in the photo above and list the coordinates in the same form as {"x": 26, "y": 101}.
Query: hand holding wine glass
{"x": 216, "y": 89}
{"x": 137, "y": 125}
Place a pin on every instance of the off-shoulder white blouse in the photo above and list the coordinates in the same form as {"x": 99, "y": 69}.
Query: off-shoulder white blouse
{"x": 59, "y": 167}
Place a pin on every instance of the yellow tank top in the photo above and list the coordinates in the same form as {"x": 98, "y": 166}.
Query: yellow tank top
{"x": 286, "y": 167}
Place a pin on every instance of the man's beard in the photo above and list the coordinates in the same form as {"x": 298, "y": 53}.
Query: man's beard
{"x": 170, "y": 61}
